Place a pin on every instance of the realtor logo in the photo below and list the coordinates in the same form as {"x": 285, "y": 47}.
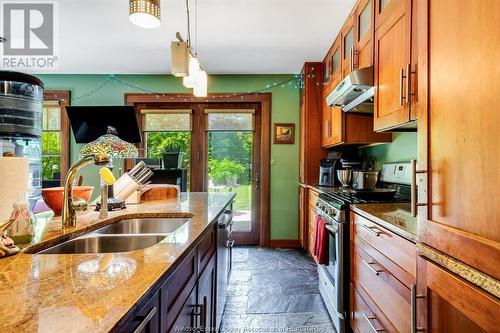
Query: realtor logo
{"x": 31, "y": 32}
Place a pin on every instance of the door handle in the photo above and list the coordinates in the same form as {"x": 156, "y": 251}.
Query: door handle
{"x": 368, "y": 264}
{"x": 408, "y": 83}
{"x": 401, "y": 78}
{"x": 414, "y": 193}
{"x": 413, "y": 307}
{"x": 369, "y": 320}
{"x": 371, "y": 229}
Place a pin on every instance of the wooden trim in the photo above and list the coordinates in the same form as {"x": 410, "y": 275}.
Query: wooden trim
{"x": 64, "y": 99}
{"x": 285, "y": 243}
{"x": 264, "y": 99}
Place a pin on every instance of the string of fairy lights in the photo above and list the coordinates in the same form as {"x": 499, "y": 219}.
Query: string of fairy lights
{"x": 295, "y": 82}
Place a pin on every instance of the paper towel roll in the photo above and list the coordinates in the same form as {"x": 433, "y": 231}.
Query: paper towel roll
{"x": 14, "y": 177}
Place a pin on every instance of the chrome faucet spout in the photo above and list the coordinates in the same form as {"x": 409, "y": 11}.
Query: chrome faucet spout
{"x": 70, "y": 204}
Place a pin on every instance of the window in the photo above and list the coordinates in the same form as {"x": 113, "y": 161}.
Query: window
{"x": 55, "y": 138}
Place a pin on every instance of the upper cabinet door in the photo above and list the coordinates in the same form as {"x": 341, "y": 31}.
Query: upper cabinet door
{"x": 458, "y": 140}
{"x": 363, "y": 48}
{"x": 392, "y": 63}
{"x": 347, "y": 44}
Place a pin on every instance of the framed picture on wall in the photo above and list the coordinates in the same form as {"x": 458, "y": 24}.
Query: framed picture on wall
{"x": 284, "y": 133}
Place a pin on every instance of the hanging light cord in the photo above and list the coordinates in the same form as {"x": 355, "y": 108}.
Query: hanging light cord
{"x": 188, "y": 24}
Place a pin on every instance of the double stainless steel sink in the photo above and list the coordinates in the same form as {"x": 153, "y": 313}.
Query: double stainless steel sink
{"x": 122, "y": 236}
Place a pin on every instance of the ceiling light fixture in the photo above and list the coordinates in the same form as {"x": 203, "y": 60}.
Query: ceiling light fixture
{"x": 145, "y": 13}
{"x": 192, "y": 76}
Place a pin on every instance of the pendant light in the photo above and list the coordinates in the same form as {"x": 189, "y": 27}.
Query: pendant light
{"x": 190, "y": 81}
{"x": 201, "y": 87}
{"x": 145, "y": 13}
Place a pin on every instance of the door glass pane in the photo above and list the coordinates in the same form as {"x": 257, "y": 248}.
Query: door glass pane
{"x": 51, "y": 143}
{"x": 230, "y": 170}
{"x": 336, "y": 61}
{"x": 158, "y": 144}
{"x": 51, "y": 168}
{"x": 52, "y": 118}
{"x": 365, "y": 20}
{"x": 348, "y": 42}
{"x": 230, "y": 121}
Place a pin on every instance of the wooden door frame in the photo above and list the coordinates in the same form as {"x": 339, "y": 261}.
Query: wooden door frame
{"x": 264, "y": 99}
{"x": 63, "y": 97}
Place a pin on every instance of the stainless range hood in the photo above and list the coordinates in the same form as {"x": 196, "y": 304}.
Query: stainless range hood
{"x": 355, "y": 93}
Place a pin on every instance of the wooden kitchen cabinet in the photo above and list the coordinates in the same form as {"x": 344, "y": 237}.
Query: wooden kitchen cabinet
{"x": 348, "y": 128}
{"x": 363, "y": 43}
{"x": 393, "y": 65}
{"x": 310, "y": 122}
{"x": 459, "y": 128}
{"x": 185, "y": 300}
{"x": 347, "y": 45}
{"x": 303, "y": 212}
{"x": 311, "y": 220}
{"x": 451, "y": 304}
{"x": 206, "y": 296}
{"x": 383, "y": 269}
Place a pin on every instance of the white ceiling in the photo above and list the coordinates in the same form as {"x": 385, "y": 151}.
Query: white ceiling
{"x": 234, "y": 36}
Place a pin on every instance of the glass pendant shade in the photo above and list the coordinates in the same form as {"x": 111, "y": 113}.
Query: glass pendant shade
{"x": 194, "y": 68}
{"x": 110, "y": 145}
{"x": 145, "y": 13}
{"x": 201, "y": 87}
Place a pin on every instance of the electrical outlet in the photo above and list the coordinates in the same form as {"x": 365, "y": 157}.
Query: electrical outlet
{"x": 273, "y": 160}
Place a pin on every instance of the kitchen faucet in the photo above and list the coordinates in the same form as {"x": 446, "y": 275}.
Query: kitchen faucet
{"x": 70, "y": 204}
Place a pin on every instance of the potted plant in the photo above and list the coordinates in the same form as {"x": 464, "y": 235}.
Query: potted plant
{"x": 172, "y": 154}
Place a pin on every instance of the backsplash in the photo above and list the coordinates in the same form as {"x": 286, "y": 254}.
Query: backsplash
{"x": 402, "y": 148}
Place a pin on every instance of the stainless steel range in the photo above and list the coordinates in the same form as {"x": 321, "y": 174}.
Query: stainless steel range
{"x": 333, "y": 207}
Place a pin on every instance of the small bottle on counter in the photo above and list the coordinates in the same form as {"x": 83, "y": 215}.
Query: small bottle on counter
{"x": 21, "y": 230}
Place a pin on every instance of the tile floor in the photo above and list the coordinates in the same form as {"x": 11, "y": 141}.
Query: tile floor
{"x": 274, "y": 290}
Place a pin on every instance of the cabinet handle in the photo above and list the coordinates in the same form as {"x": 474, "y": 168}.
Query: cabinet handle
{"x": 352, "y": 59}
{"x": 146, "y": 320}
{"x": 414, "y": 193}
{"x": 371, "y": 229}
{"x": 401, "y": 78}
{"x": 369, "y": 319}
{"x": 408, "y": 83}
{"x": 368, "y": 264}
{"x": 413, "y": 307}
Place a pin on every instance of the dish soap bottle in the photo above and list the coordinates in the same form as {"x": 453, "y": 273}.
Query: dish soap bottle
{"x": 21, "y": 230}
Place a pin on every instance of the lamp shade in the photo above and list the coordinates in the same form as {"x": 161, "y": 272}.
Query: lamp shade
{"x": 145, "y": 13}
{"x": 110, "y": 145}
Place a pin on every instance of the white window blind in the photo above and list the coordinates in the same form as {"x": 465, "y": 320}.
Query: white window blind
{"x": 162, "y": 120}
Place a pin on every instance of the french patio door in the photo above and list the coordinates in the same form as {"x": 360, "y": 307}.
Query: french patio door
{"x": 232, "y": 162}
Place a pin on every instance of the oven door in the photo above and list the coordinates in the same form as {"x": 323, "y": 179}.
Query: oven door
{"x": 336, "y": 268}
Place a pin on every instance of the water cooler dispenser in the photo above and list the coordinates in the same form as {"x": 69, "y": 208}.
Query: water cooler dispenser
{"x": 21, "y": 111}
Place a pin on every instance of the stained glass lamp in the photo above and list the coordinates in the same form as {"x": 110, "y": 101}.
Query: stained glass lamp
{"x": 114, "y": 147}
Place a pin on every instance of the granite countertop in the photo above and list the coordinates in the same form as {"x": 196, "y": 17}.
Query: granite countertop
{"x": 393, "y": 216}
{"x": 92, "y": 292}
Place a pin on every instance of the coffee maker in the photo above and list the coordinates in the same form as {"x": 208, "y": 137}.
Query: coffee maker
{"x": 327, "y": 171}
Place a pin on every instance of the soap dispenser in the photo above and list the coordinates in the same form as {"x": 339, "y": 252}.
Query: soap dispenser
{"x": 21, "y": 230}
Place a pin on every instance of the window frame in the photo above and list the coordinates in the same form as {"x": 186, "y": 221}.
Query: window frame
{"x": 63, "y": 98}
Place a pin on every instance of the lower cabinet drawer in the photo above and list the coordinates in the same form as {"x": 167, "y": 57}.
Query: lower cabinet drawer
{"x": 363, "y": 319}
{"x": 384, "y": 290}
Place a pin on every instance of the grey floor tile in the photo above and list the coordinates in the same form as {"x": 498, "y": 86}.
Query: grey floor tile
{"x": 274, "y": 290}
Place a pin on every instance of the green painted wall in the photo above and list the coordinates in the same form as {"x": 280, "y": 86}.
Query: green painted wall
{"x": 402, "y": 148}
{"x": 285, "y": 108}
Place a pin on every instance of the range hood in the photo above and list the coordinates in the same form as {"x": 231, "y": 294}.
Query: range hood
{"x": 355, "y": 93}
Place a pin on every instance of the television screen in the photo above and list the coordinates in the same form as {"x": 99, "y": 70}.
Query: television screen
{"x": 90, "y": 122}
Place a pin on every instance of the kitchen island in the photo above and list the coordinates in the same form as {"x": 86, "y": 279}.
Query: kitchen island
{"x": 103, "y": 292}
